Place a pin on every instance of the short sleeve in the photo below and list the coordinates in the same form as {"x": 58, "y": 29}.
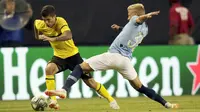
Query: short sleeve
{"x": 133, "y": 20}
{"x": 37, "y": 24}
{"x": 62, "y": 25}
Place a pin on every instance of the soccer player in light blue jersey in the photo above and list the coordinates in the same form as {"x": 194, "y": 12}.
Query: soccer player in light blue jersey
{"x": 119, "y": 56}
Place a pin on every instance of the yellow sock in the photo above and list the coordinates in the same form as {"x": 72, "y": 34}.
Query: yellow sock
{"x": 103, "y": 92}
{"x": 50, "y": 83}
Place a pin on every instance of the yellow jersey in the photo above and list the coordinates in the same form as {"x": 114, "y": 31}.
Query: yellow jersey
{"x": 62, "y": 49}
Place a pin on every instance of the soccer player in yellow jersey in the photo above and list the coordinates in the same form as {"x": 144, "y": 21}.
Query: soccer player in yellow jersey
{"x": 66, "y": 55}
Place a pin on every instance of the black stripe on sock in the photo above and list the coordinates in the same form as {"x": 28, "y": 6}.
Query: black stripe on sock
{"x": 99, "y": 88}
{"x": 50, "y": 79}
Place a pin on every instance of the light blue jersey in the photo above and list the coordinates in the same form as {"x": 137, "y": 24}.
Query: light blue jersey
{"x": 129, "y": 38}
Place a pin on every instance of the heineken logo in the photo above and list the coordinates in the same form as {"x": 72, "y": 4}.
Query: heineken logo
{"x": 168, "y": 70}
{"x": 194, "y": 68}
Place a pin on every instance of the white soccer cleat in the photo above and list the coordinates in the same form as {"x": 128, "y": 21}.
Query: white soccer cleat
{"x": 171, "y": 105}
{"x": 61, "y": 93}
{"x": 114, "y": 105}
{"x": 54, "y": 105}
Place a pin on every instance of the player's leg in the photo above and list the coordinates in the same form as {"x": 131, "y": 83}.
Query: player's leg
{"x": 125, "y": 67}
{"x": 100, "y": 89}
{"x": 71, "y": 80}
{"x": 50, "y": 70}
{"x": 136, "y": 83}
{"x": 82, "y": 71}
{"x": 54, "y": 66}
{"x": 97, "y": 62}
{"x": 75, "y": 75}
{"x": 87, "y": 78}
{"x": 91, "y": 64}
{"x": 129, "y": 73}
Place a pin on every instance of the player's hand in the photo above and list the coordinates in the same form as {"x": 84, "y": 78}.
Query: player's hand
{"x": 45, "y": 38}
{"x": 149, "y": 15}
{"x": 115, "y": 27}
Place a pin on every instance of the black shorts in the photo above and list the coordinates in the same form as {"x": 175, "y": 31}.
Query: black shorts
{"x": 69, "y": 63}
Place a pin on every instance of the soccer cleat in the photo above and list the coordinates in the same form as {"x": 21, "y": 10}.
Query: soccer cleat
{"x": 114, "y": 105}
{"x": 54, "y": 105}
{"x": 61, "y": 93}
{"x": 171, "y": 105}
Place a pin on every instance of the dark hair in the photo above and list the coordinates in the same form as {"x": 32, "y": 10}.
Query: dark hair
{"x": 48, "y": 10}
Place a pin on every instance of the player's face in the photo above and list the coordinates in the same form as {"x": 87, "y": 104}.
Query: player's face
{"x": 49, "y": 20}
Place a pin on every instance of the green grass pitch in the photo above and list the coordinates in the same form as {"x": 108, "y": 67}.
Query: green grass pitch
{"x": 139, "y": 104}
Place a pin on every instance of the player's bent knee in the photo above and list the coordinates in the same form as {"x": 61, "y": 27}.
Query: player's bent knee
{"x": 51, "y": 69}
{"x": 86, "y": 67}
{"x": 136, "y": 83}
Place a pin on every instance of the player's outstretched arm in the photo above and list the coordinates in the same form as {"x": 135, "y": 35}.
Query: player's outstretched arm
{"x": 143, "y": 18}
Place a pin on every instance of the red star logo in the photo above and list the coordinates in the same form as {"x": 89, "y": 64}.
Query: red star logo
{"x": 194, "y": 68}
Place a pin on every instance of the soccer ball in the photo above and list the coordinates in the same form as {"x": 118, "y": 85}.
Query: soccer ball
{"x": 39, "y": 103}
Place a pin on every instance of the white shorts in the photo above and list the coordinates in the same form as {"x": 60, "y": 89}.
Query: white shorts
{"x": 114, "y": 61}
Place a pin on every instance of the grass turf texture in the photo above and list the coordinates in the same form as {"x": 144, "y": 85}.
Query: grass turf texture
{"x": 139, "y": 104}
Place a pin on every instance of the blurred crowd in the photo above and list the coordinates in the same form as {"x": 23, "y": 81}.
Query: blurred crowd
{"x": 181, "y": 26}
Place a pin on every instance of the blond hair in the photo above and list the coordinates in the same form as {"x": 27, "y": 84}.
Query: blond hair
{"x": 138, "y": 8}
